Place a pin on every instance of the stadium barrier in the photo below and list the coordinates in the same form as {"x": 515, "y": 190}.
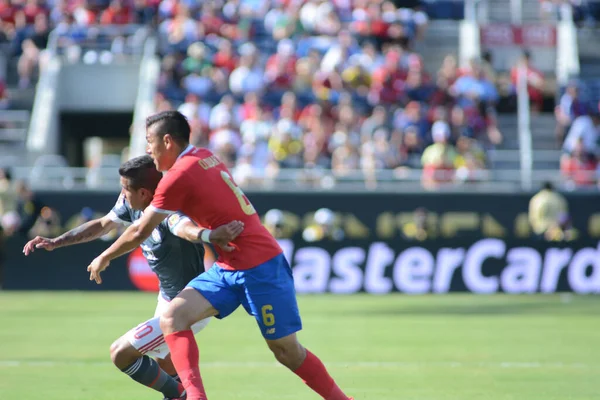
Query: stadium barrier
{"x": 475, "y": 243}
{"x": 488, "y": 265}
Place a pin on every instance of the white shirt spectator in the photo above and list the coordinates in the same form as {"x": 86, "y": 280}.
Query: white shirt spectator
{"x": 245, "y": 80}
{"x": 271, "y": 18}
{"x": 309, "y": 15}
{"x": 197, "y": 84}
{"x": 193, "y": 110}
{"x": 224, "y": 137}
{"x": 586, "y": 128}
{"x": 222, "y": 115}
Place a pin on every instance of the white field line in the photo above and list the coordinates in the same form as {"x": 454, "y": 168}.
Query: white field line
{"x": 350, "y": 364}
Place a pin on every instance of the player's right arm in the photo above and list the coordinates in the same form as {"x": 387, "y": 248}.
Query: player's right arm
{"x": 183, "y": 227}
{"x": 83, "y": 233}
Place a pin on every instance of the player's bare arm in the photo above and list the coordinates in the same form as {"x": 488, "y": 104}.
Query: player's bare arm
{"x": 133, "y": 236}
{"x": 221, "y": 236}
{"x": 83, "y": 233}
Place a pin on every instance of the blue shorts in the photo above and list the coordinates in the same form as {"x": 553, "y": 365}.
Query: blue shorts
{"x": 267, "y": 292}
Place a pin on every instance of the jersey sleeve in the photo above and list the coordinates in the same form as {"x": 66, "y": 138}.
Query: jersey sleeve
{"x": 175, "y": 222}
{"x": 170, "y": 194}
{"x": 120, "y": 212}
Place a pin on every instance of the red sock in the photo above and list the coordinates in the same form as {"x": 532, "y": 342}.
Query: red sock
{"x": 185, "y": 357}
{"x": 315, "y": 375}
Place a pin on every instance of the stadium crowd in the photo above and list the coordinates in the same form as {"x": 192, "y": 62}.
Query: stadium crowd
{"x": 281, "y": 84}
{"x": 323, "y": 85}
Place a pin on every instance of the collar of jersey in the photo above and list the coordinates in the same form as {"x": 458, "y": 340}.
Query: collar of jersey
{"x": 184, "y": 152}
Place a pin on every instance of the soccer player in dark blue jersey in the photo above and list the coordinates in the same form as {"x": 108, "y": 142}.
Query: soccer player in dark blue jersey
{"x": 174, "y": 252}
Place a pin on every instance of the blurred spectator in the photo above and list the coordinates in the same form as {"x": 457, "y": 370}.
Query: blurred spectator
{"x": 248, "y": 76}
{"x": 549, "y": 214}
{"x": 7, "y": 193}
{"x": 579, "y": 167}
{"x": 587, "y": 129}
{"x": 33, "y": 45}
{"x": 47, "y": 224}
{"x": 4, "y": 98}
{"x": 570, "y": 107}
{"x": 474, "y": 88}
{"x": 324, "y": 227}
{"x": 470, "y": 159}
{"x": 117, "y": 13}
{"x": 439, "y": 159}
{"x": 420, "y": 228}
{"x": 280, "y": 224}
{"x": 28, "y": 208}
{"x": 535, "y": 81}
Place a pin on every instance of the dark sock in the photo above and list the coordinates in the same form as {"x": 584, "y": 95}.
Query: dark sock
{"x": 146, "y": 371}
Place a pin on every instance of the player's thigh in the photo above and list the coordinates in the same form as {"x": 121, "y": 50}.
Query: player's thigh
{"x": 216, "y": 289}
{"x": 270, "y": 297}
{"x": 163, "y": 304}
{"x": 148, "y": 338}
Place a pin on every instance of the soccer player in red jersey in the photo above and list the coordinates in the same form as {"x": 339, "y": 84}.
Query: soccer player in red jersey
{"x": 255, "y": 275}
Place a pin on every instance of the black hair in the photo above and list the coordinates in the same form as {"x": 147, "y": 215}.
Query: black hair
{"x": 173, "y": 123}
{"x": 141, "y": 173}
{"x": 548, "y": 185}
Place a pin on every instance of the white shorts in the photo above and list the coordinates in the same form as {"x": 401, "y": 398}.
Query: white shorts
{"x": 148, "y": 338}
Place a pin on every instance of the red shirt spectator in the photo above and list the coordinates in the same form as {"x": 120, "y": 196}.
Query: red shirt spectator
{"x": 7, "y": 11}
{"x": 211, "y": 22}
{"x": 116, "y": 14}
{"x": 579, "y": 166}
{"x": 582, "y": 172}
{"x": 250, "y": 110}
{"x": 225, "y": 58}
{"x": 31, "y": 10}
{"x": 535, "y": 81}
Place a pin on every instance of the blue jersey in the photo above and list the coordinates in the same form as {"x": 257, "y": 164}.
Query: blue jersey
{"x": 175, "y": 261}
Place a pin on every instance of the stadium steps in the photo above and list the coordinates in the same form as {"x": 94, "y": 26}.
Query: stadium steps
{"x": 440, "y": 40}
{"x": 542, "y": 131}
{"x": 589, "y": 63}
{"x": 21, "y": 99}
{"x": 587, "y": 42}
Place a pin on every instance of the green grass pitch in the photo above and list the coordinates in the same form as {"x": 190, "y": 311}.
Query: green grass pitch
{"x": 54, "y": 346}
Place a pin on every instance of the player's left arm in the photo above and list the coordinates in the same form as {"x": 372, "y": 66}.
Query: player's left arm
{"x": 133, "y": 236}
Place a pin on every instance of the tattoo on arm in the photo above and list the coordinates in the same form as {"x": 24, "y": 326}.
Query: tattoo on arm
{"x": 84, "y": 233}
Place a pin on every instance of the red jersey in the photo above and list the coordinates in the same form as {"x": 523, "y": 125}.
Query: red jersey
{"x": 200, "y": 186}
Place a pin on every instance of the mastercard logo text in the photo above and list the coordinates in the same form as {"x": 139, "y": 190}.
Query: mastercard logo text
{"x": 140, "y": 273}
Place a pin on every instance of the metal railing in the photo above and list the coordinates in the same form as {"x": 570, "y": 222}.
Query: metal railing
{"x": 129, "y": 39}
{"x": 13, "y": 126}
{"x": 398, "y": 180}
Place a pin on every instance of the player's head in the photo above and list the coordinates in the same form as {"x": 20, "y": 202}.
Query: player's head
{"x": 167, "y": 134}
{"x": 139, "y": 179}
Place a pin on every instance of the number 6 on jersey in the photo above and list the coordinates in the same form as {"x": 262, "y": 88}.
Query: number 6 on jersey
{"x": 247, "y": 207}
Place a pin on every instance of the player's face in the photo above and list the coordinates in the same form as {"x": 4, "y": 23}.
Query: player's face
{"x": 138, "y": 199}
{"x": 161, "y": 149}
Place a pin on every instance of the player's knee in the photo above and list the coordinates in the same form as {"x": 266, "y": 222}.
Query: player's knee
{"x": 289, "y": 353}
{"x": 123, "y": 354}
{"x": 167, "y": 323}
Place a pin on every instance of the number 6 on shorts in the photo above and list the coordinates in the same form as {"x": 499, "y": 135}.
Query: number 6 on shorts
{"x": 267, "y": 316}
